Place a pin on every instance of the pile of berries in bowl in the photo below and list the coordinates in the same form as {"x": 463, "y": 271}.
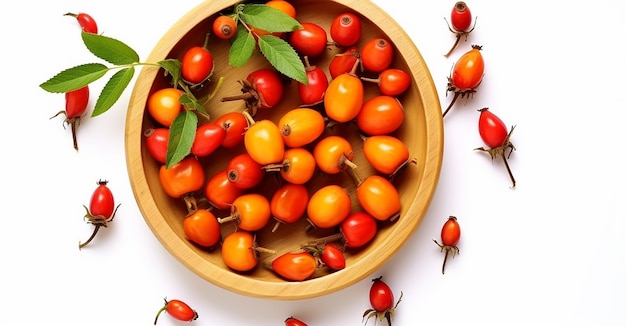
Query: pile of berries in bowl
{"x": 282, "y": 151}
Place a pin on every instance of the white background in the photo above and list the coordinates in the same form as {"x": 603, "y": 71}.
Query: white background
{"x": 551, "y": 252}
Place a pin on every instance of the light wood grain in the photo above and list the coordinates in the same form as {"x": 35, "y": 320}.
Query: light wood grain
{"x": 422, "y": 131}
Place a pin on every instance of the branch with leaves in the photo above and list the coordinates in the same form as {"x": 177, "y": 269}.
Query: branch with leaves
{"x": 123, "y": 60}
{"x": 280, "y": 54}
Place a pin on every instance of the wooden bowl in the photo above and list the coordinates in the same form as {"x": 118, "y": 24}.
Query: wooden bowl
{"x": 422, "y": 131}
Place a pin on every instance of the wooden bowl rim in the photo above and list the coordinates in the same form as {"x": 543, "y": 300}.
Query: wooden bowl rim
{"x": 241, "y": 284}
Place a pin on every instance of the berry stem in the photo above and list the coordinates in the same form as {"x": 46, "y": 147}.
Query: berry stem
{"x": 232, "y": 217}
{"x": 445, "y": 259}
{"x": 206, "y": 41}
{"x": 346, "y": 161}
{"x": 276, "y": 167}
{"x": 248, "y": 117}
{"x": 73, "y": 127}
{"x": 191, "y": 203}
{"x": 370, "y": 80}
{"x": 356, "y": 65}
{"x": 508, "y": 169}
{"x": 264, "y": 250}
{"x": 160, "y": 311}
{"x": 456, "y": 42}
{"x": 402, "y": 167}
{"x": 244, "y": 96}
{"x": 93, "y": 235}
{"x": 324, "y": 240}
{"x": 276, "y": 226}
{"x": 456, "y": 96}
{"x": 219, "y": 83}
{"x": 352, "y": 171}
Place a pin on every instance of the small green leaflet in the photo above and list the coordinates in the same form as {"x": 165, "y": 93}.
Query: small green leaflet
{"x": 172, "y": 67}
{"x": 283, "y": 57}
{"x": 191, "y": 103}
{"x": 74, "y": 78}
{"x": 268, "y": 18}
{"x": 109, "y": 49}
{"x": 276, "y": 50}
{"x": 113, "y": 90}
{"x": 182, "y": 135}
{"x": 242, "y": 48}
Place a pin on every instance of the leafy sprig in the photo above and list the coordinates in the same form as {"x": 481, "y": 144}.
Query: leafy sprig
{"x": 280, "y": 54}
{"x": 123, "y": 60}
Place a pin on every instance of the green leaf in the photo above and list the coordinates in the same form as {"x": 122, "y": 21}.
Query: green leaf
{"x": 268, "y": 18}
{"x": 171, "y": 67}
{"x": 182, "y": 134}
{"x": 191, "y": 103}
{"x": 74, "y": 78}
{"x": 283, "y": 57}
{"x": 242, "y": 48}
{"x": 109, "y": 49}
{"x": 113, "y": 90}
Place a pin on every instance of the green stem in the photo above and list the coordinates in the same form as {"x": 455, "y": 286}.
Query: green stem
{"x": 159, "y": 312}
{"x": 248, "y": 117}
{"x": 135, "y": 64}
{"x": 180, "y": 83}
{"x": 186, "y": 89}
{"x": 238, "y": 12}
{"x": 220, "y": 81}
